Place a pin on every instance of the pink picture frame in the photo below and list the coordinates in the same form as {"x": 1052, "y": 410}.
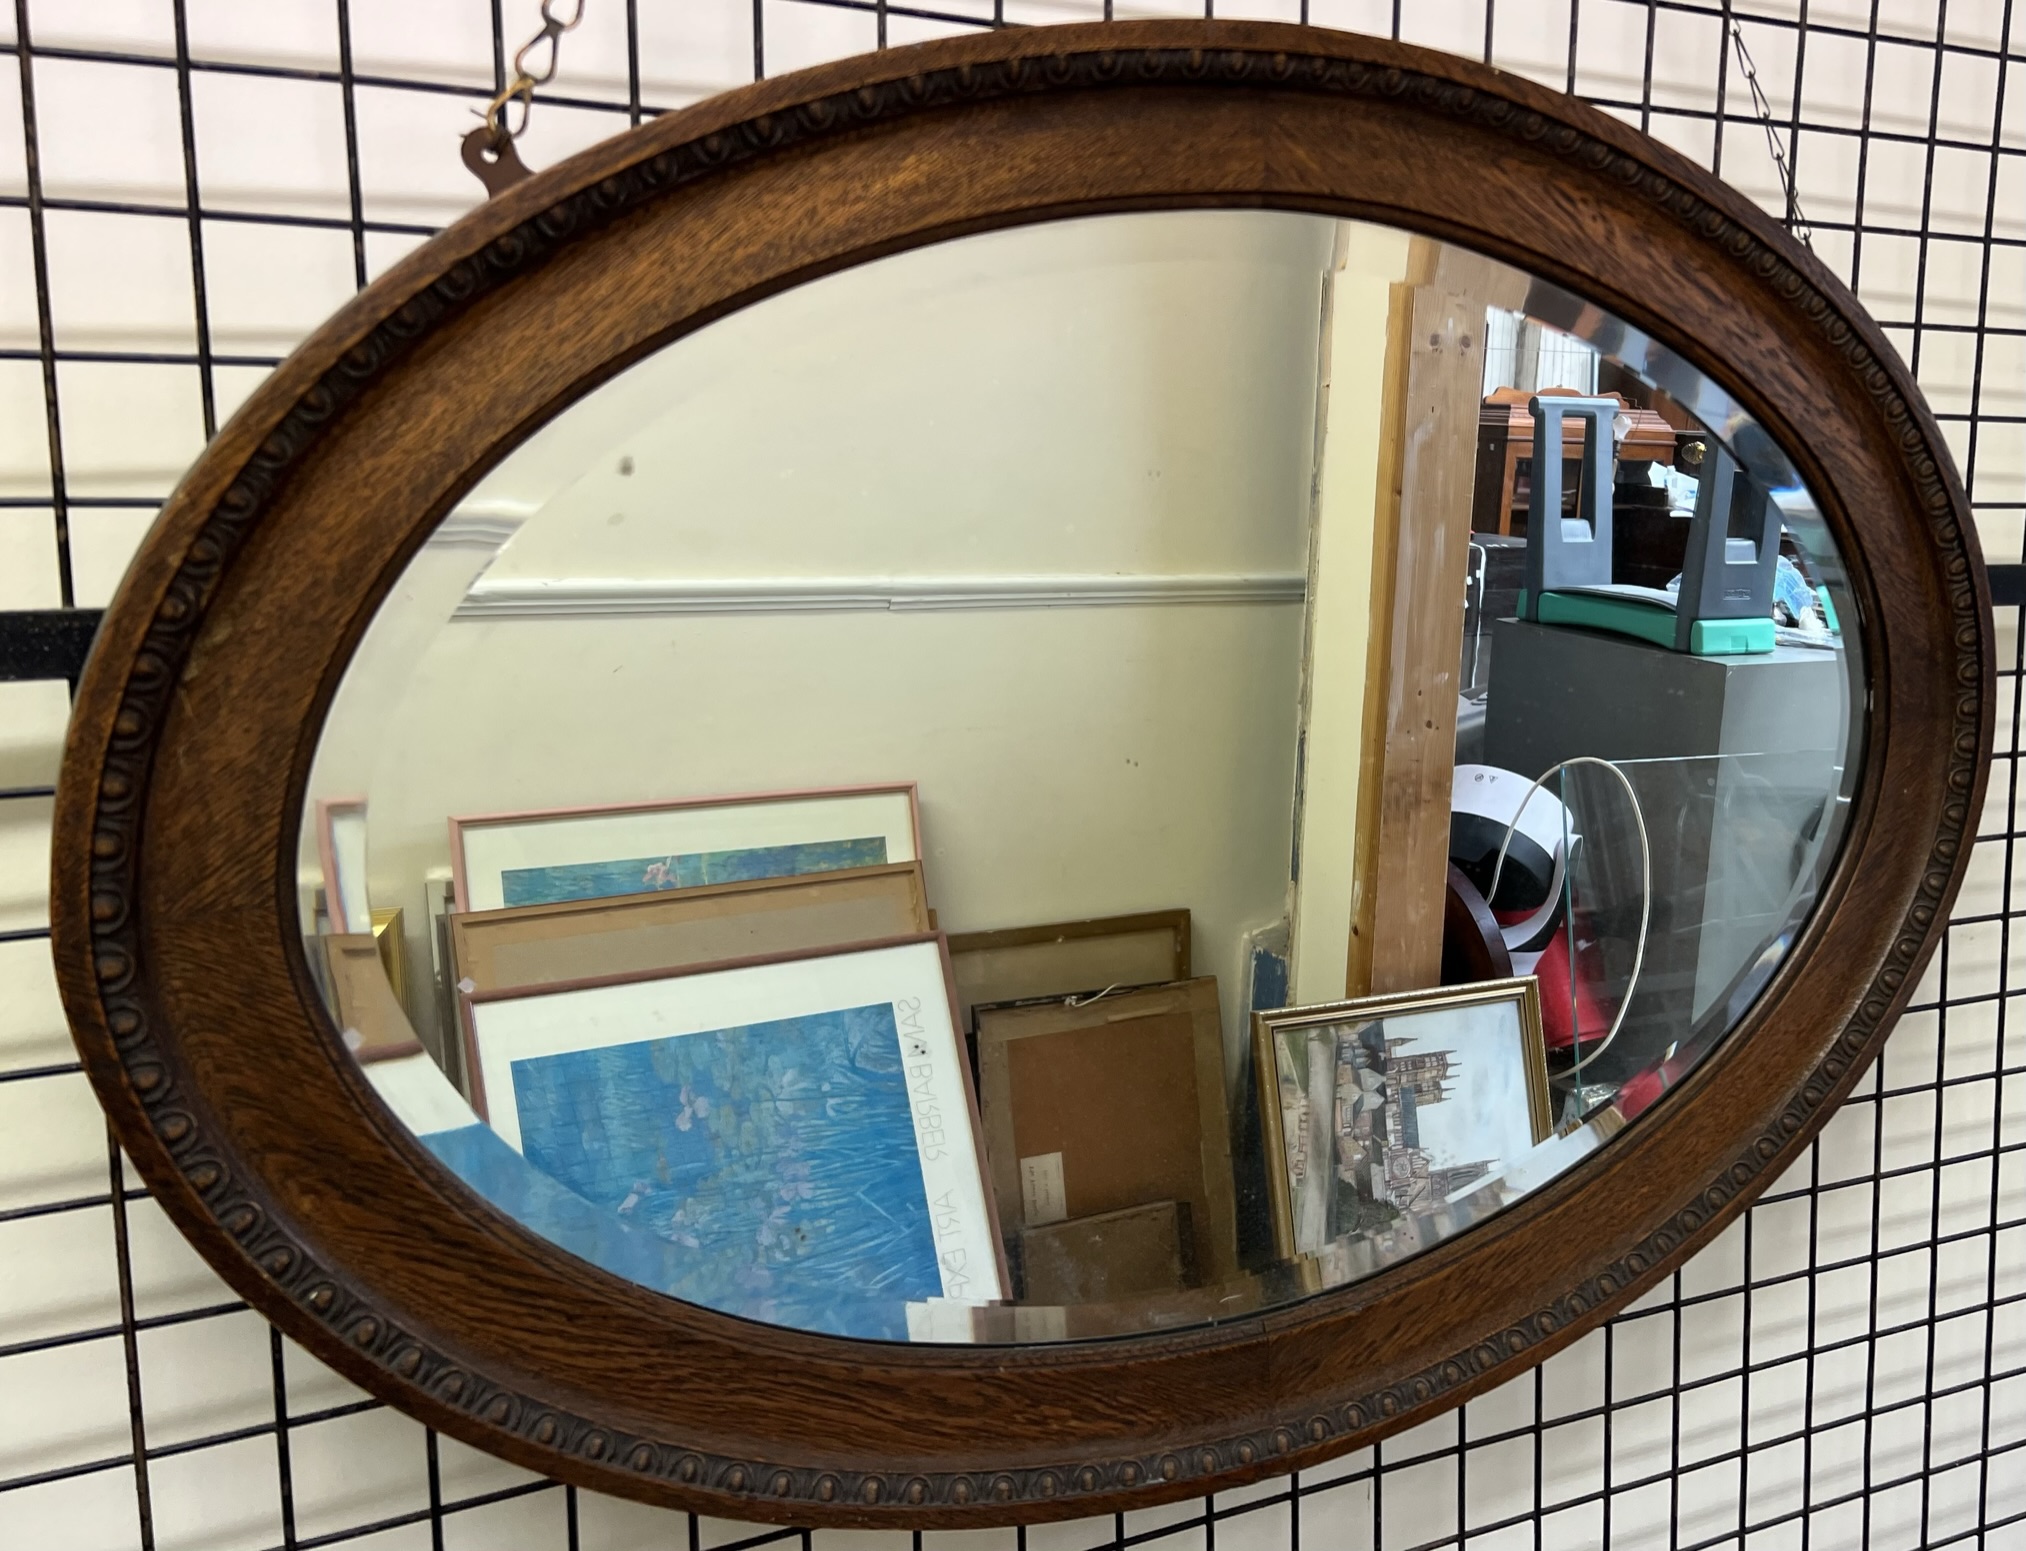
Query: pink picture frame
{"x": 346, "y": 913}
{"x": 576, "y": 842}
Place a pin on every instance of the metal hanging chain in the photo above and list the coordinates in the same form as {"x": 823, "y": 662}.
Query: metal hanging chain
{"x": 1797, "y": 223}
{"x": 525, "y": 79}
{"x": 489, "y": 150}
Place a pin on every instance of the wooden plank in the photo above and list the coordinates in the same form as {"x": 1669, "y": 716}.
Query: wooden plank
{"x": 1435, "y": 377}
{"x": 1438, "y": 463}
{"x": 1466, "y": 273}
{"x": 1361, "y": 961}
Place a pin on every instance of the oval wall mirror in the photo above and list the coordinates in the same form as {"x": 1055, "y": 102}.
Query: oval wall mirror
{"x": 1025, "y": 775}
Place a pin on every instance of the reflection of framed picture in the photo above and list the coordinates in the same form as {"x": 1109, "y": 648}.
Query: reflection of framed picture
{"x": 801, "y": 1128}
{"x": 532, "y": 945}
{"x": 371, "y": 1020}
{"x": 1099, "y": 1104}
{"x": 558, "y": 854}
{"x": 1383, "y": 1109}
{"x": 1020, "y": 963}
{"x": 341, "y": 848}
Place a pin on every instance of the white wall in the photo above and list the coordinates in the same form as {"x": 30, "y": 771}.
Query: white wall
{"x": 1368, "y": 262}
{"x": 1122, "y": 393}
{"x": 1835, "y": 1350}
{"x": 1125, "y": 400}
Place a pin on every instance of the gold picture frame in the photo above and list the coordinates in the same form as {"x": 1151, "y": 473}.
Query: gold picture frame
{"x": 1376, "y": 1160}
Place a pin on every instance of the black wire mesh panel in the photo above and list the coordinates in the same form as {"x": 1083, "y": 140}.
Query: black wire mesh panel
{"x": 1846, "y": 1367}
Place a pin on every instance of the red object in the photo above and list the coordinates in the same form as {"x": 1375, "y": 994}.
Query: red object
{"x": 1638, "y": 1095}
{"x": 1559, "y": 1021}
{"x": 1640, "y": 1092}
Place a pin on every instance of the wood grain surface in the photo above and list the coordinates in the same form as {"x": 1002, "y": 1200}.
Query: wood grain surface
{"x": 182, "y": 790}
{"x": 1427, "y": 478}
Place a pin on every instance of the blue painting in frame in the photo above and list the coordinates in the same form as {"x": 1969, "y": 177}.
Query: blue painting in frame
{"x": 779, "y": 1160}
{"x": 649, "y": 874}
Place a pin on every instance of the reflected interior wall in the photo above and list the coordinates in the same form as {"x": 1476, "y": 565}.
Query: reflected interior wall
{"x": 1120, "y": 398}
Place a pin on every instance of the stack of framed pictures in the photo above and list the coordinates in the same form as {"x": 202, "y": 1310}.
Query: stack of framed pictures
{"x": 718, "y": 1047}
{"x": 726, "y": 1025}
{"x": 1101, "y": 1086}
{"x": 730, "y": 1024}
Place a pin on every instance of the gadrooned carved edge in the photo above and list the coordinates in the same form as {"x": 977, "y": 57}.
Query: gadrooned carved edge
{"x": 151, "y": 1066}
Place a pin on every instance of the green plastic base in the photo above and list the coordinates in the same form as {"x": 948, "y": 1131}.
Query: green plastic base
{"x": 1650, "y": 622}
{"x": 1730, "y": 637}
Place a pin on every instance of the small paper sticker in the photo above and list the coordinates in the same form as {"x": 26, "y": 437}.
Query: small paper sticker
{"x": 1041, "y": 1197}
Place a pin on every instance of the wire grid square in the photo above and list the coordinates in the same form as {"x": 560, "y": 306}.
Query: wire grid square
{"x": 1846, "y": 1367}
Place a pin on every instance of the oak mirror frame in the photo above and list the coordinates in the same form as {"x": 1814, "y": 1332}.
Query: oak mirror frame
{"x": 183, "y": 785}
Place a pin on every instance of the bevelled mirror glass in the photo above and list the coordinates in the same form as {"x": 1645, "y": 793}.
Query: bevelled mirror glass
{"x": 1093, "y": 777}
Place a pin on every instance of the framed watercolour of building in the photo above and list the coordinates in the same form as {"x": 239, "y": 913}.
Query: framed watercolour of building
{"x": 551, "y": 855}
{"x": 800, "y": 1129}
{"x": 1382, "y": 1111}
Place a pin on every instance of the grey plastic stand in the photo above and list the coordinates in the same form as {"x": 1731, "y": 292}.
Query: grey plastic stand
{"x": 1724, "y": 577}
{"x": 1561, "y": 552}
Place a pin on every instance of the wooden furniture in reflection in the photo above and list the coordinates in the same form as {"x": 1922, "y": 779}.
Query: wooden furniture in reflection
{"x": 1505, "y": 434}
{"x": 1473, "y": 947}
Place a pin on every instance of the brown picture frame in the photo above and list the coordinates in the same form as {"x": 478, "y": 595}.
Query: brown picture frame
{"x": 364, "y": 997}
{"x": 1075, "y": 1021}
{"x": 181, "y": 796}
{"x": 1047, "y": 958}
{"x": 648, "y": 921}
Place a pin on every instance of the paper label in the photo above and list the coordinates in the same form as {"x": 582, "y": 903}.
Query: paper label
{"x": 1041, "y": 1196}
